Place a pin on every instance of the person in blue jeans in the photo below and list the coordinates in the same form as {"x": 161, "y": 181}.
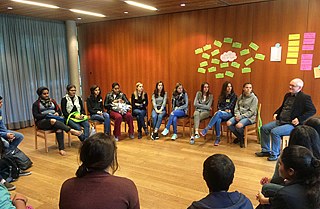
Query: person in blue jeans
{"x": 139, "y": 101}
{"x": 226, "y": 103}
{"x": 71, "y": 103}
{"x": 159, "y": 101}
{"x": 295, "y": 109}
{"x": 12, "y": 137}
{"x": 245, "y": 113}
{"x": 95, "y": 108}
{"x": 179, "y": 109}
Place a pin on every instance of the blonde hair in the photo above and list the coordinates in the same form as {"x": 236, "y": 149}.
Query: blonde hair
{"x": 136, "y": 91}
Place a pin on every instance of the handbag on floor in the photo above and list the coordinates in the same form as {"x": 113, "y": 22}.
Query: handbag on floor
{"x": 22, "y": 160}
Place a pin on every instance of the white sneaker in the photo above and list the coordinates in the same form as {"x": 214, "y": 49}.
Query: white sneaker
{"x": 116, "y": 138}
{"x": 174, "y": 137}
{"x": 196, "y": 136}
{"x": 165, "y": 132}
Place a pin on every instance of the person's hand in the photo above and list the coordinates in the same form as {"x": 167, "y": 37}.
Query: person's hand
{"x": 99, "y": 112}
{"x": 295, "y": 121}
{"x": 262, "y": 199}
{"x": 56, "y": 114}
{"x": 19, "y": 199}
{"x": 275, "y": 116}
{"x": 264, "y": 180}
{"x": 10, "y": 136}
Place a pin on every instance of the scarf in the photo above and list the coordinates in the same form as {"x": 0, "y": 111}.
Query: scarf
{"x": 46, "y": 102}
{"x": 71, "y": 104}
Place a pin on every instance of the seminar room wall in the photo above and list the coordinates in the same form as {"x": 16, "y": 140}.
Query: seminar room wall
{"x": 162, "y": 47}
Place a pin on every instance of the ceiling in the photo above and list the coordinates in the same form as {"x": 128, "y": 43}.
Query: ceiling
{"x": 113, "y": 9}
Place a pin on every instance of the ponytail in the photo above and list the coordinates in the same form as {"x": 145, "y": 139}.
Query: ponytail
{"x": 82, "y": 171}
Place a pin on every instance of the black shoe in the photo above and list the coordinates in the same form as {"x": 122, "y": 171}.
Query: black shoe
{"x": 25, "y": 173}
{"x": 156, "y": 135}
{"x": 272, "y": 158}
{"x": 139, "y": 135}
{"x": 146, "y": 131}
{"x": 262, "y": 154}
{"x": 236, "y": 141}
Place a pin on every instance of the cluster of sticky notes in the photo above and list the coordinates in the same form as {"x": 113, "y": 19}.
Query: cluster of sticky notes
{"x": 316, "y": 72}
{"x": 293, "y": 49}
{"x": 309, "y": 40}
{"x": 306, "y": 62}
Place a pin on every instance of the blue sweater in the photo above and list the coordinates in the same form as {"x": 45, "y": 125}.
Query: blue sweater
{"x": 3, "y": 128}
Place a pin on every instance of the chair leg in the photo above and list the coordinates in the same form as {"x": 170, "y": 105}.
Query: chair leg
{"x": 45, "y": 142}
{"x": 69, "y": 139}
{"x": 245, "y": 137}
{"x": 36, "y": 139}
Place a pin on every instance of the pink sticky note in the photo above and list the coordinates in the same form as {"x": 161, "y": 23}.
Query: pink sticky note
{"x": 309, "y": 35}
{"x": 305, "y": 67}
{"x": 306, "y": 62}
{"x": 309, "y": 41}
{"x": 308, "y": 47}
{"x": 306, "y": 56}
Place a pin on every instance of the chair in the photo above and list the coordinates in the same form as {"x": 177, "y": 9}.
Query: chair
{"x": 185, "y": 119}
{"x": 145, "y": 117}
{"x": 285, "y": 141}
{"x": 253, "y": 128}
{"x": 165, "y": 118}
{"x": 224, "y": 127}
{"x": 44, "y": 134}
{"x": 94, "y": 123}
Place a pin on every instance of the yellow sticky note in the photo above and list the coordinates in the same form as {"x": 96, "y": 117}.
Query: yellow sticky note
{"x": 227, "y": 40}
{"x": 203, "y": 64}
{"x": 215, "y": 61}
{"x": 207, "y": 47}
{"x": 236, "y": 45}
{"x": 294, "y": 43}
{"x": 293, "y": 49}
{"x": 229, "y": 74}
{"x": 212, "y": 69}
{"x": 224, "y": 65}
{"x": 217, "y": 43}
{"x": 246, "y": 70}
{"x": 294, "y": 36}
{"x": 316, "y": 71}
{"x": 219, "y": 75}
{"x": 201, "y": 70}
{"x": 244, "y": 52}
{"x": 215, "y": 52}
{"x": 198, "y": 51}
{"x": 291, "y": 61}
{"x": 293, "y": 54}
{"x": 206, "y": 56}
{"x": 253, "y": 46}
{"x": 249, "y": 61}
{"x": 260, "y": 56}
{"x": 235, "y": 64}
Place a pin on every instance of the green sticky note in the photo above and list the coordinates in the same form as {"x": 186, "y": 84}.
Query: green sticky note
{"x": 217, "y": 43}
{"x": 215, "y": 52}
{"x": 249, "y": 61}
{"x": 219, "y": 75}
{"x": 253, "y": 46}
{"x": 206, "y": 56}
{"x": 244, "y": 52}
{"x": 260, "y": 56}
{"x": 201, "y": 70}
{"x": 215, "y": 61}
{"x": 212, "y": 69}
{"x": 207, "y": 47}
{"x": 246, "y": 70}
{"x": 235, "y": 64}
{"x": 198, "y": 51}
{"x": 227, "y": 40}
{"x": 224, "y": 65}
{"x": 203, "y": 64}
{"x": 236, "y": 45}
{"x": 229, "y": 74}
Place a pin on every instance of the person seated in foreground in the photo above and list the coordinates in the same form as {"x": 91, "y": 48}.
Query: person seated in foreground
{"x": 16, "y": 201}
{"x": 218, "y": 172}
{"x": 95, "y": 185}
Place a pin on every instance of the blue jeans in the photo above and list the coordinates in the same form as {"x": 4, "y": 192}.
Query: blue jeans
{"x": 174, "y": 115}
{"x": 216, "y": 120}
{"x": 140, "y": 114}
{"x": 276, "y": 131}
{"x": 238, "y": 132}
{"x": 105, "y": 119}
{"x": 157, "y": 118}
{"x": 77, "y": 126}
{"x": 17, "y": 140}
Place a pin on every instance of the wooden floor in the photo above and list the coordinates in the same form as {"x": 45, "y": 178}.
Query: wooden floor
{"x": 168, "y": 174}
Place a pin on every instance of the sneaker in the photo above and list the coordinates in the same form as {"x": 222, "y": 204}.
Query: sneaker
{"x": 165, "y": 132}
{"x": 204, "y": 132}
{"x": 216, "y": 143}
{"x": 157, "y": 135}
{"x": 174, "y": 137}
{"x": 196, "y": 136}
{"x": 116, "y": 138}
{"x": 153, "y": 137}
{"x": 24, "y": 173}
{"x": 9, "y": 186}
{"x": 272, "y": 158}
{"x": 262, "y": 154}
{"x": 139, "y": 135}
{"x": 191, "y": 141}
{"x": 131, "y": 136}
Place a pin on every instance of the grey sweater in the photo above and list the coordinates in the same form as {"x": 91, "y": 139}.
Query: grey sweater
{"x": 200, "y": 105}
{"x": 246, "y": 107}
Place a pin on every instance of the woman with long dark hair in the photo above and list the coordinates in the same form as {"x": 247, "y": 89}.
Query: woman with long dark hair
{"x": 227, "y": 101}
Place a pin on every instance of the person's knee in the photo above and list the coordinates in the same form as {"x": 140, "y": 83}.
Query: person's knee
{"x": 239, "y": 125}
{"x": 229, "y": 123}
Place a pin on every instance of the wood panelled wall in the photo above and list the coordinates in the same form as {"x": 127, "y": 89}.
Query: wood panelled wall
{"x": 153, "y": 48}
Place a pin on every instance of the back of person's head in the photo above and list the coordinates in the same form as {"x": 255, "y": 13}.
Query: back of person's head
{"x": 305, "y": 169}
{"x": 306, "y": 136}
{"x": 98, "y": 153}
{"x": 218, "y": 172}
{"x": 314, "y": 122}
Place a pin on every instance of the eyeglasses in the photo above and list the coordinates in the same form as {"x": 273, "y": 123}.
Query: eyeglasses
{"x": 73, "y": 90}
{"x": 291, "y": 85}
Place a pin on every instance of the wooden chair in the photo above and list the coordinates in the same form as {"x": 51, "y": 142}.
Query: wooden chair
{"x": 285, "y": 141}
{"x": 145, "y": 118}
{"x": 253, "y": 128}
{"x": 44, "y": 135}
{"x": 224, "y": 127}
{"x": 165, "y": 118}
{"x": 94, "y": 123}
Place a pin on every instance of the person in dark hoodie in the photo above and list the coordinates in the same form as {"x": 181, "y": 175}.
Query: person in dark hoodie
{"x": 218, "y": 172}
